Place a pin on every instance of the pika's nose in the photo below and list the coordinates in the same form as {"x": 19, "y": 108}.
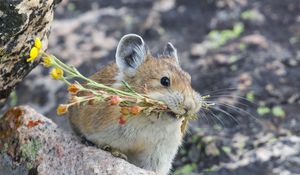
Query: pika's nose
{"x": 186, "y": 109}
{"x": 189, "y": 102}
{"x": 189, "y": 105}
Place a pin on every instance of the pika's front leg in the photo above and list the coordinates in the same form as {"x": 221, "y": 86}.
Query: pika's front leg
{"x": 159, "y": 159}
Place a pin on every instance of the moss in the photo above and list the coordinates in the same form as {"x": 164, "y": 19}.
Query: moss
{"x": 29, "y": 151}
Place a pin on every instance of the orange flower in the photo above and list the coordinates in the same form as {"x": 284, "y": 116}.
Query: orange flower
{"x": 124, "y": 110}
{"x": 135, "y": 110}
{"x": 122, "y": 120}
{"x": 114, "y": 99}
{"x": 73, "y": 89}
{"x": 61, "y": 109}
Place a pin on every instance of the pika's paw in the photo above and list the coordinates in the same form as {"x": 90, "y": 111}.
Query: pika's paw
{"x": 118, "y": 153}
{"x": 115, "y": 152}
{"x": 106, "y": 148}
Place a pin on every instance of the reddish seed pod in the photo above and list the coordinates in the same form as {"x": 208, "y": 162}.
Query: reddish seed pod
{"x": 114, "y": 100}
{"x": 122, "y": 120}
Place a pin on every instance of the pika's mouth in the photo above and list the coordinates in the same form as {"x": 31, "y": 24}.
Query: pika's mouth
{"x": 174, "y": 115}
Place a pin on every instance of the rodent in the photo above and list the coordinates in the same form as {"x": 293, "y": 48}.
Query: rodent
{"x": 150, "y": 142}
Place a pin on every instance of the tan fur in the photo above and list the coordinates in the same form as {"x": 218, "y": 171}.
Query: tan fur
{"x": 148, "y": 141}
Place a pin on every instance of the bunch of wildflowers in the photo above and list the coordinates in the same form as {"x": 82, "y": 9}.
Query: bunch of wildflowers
{"x": 130, "y": 102}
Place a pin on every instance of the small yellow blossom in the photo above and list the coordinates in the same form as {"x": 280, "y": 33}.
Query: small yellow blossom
{"x": 38, "y": 43}
{"x": 34, "y": 52}
{"x": 57, "y": 73}
{"x": 47, "y": 61}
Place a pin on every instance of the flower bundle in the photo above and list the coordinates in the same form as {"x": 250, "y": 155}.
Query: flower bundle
{"x": 131, "y": 103}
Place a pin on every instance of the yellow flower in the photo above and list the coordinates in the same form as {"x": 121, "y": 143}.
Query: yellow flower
{"x": 38, "y": 43}
{"x": 57, "y": 73}
{"x": 34, "y": 52}
{"x": 47, "y": 61}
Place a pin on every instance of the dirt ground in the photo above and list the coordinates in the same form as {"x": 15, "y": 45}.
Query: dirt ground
{"x": 244, "y": 54}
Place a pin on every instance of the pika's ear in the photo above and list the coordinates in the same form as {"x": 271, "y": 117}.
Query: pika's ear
{"x": 171, "y": 51}
{"x": 131, "y": 52}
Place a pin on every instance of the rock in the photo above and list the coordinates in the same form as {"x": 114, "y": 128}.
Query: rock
{"x": 282, "y": 154}
{"x": 20, "y": 23}
{"x": 255, "y": 39}
{"x": 32, "y": 143}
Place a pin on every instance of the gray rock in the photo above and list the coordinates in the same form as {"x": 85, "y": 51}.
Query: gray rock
{"x": 20, "y": 23}
{"x": 30, "y": 142}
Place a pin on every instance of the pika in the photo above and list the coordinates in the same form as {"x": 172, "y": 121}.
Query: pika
{"x": 149, "y": 142}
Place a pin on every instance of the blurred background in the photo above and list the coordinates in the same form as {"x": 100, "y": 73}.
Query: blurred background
{"x": 243, "y": 53}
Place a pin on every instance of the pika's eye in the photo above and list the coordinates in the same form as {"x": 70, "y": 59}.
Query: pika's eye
{"x": 165, "y": 81}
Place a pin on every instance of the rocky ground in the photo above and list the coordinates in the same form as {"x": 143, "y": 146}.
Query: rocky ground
{"x": 243, "y": 53}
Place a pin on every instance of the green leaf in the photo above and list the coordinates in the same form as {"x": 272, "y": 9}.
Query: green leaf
{"x": 186, "y": 169}
{"x": 226, "y": 149}
{"x": 252, "y": 15}
{"x": 233, "y": 58}
{"x": 211, "y": 169}
{"x": 218, "y": 38}
{"x": 208, "y": 139}
{"x": 277, "y": 111}
{"x": 242, "y": 46}
{"x": 250, "y": 96}
{"x": 263, "y": 110}
{"x": 13, "y": 98}
{"x": 238, "y": 29}
{"x": 71, "y": 7}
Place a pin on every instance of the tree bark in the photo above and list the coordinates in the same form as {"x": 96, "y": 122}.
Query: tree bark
{"x": 32, "y": 144}
{"x": 21, "y": 21}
